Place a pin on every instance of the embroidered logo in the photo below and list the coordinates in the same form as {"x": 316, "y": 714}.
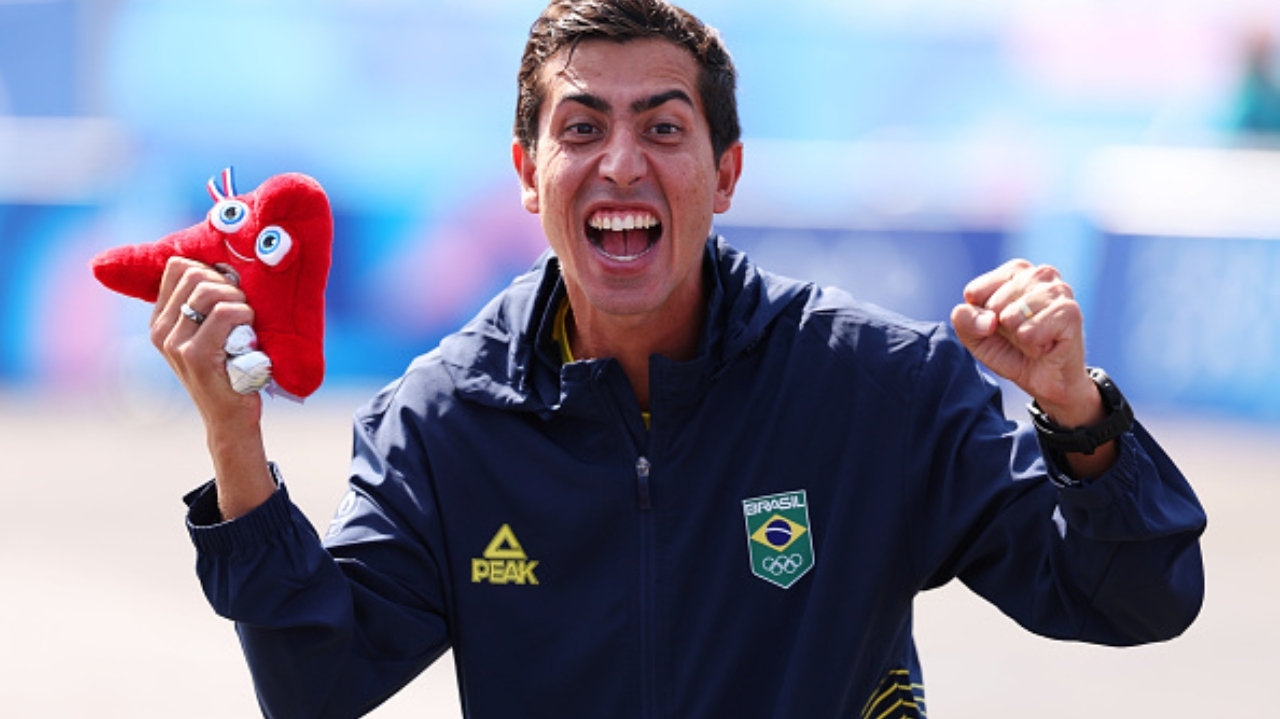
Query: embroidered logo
{"x": 779, "y": 537}
{"x": 504, "y": 561}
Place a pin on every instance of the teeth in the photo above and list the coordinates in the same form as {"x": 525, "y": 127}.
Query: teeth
{"x": 618, "y": 223}
{"x": 625, "y": 258}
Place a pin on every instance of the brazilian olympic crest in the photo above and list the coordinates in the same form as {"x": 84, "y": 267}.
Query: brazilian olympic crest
{"x": 779, "y": 537}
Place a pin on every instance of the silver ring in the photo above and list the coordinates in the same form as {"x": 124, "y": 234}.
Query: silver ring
{"x": 191, "y": 313}
{"x": 1022, "y": 306}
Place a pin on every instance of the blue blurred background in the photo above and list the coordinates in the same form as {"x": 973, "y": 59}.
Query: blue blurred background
{"x": 894, "y": 148}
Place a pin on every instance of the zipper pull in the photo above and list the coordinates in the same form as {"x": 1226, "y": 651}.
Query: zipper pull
{"x": 642, "y": 476}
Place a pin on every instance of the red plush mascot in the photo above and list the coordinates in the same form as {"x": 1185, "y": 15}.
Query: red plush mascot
{"x": 277, "y": 244}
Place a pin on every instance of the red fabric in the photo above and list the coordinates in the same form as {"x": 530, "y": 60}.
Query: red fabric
{"x": 287, "y": 298}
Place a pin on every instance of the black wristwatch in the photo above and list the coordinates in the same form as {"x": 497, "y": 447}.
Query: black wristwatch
{"x": 1085, "y": 440}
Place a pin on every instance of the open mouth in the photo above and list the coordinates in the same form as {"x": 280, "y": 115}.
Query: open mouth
{"x": 623, "y": 236}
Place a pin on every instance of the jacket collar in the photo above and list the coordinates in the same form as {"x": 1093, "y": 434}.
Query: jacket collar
{"x": 507, "y": 358}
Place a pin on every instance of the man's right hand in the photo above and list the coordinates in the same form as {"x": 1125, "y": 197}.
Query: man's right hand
{"x": 195, "y": 351}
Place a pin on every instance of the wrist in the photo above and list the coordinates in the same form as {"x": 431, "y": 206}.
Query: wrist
{"x": 241, "y": 474}
{"x": 1079, "y": 406}
{"x": 1087, "y": 425}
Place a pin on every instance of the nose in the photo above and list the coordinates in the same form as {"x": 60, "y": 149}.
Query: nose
{"x": 623, "y": 162}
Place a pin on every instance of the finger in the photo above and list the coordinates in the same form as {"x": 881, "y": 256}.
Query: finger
{"x": 1055, "y": 329}
{"x": 972, "y": 324}
{"x": 1022, "y": 301}
{"x": 176, "y": 285}
{"x": 198, "y": 355}
{"x": 207, "y": 295}
{"x": 979, "y": 290}
{"x": 1021, "y": 283}
{"x": 192, "y": 350}
{"x": 174, "y": 269}
{"x": 179, "y": 285}
{"x": 1019, "y": 312}
{"x": 225, "y": 316}
{"x": 202, "y": 317}
{"x": 206, "y": 350}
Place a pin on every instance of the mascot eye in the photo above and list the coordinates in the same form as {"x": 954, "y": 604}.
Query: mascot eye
{"x": 229, "y": 215}
{"x": 273, "y": 245}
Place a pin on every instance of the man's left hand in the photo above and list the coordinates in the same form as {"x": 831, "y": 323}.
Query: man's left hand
{"x": 1022, "y": 321}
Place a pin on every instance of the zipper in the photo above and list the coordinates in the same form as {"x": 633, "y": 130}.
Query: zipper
{"x": 648, "y": 619}
{"x": 648, "y": 669}
{"x": 642, "y": 482}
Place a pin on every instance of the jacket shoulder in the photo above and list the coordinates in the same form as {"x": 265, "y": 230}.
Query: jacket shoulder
{"x": 423, "y": 387}
{"x": 888, "y": 349}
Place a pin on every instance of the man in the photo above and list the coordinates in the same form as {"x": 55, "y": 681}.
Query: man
{"x": 650, "y": 479}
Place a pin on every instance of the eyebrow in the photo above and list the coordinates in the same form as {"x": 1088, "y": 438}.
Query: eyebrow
{"x": 661, "y": 99}
{"x": 599, "y": 104}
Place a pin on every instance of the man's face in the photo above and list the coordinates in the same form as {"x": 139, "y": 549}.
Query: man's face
{"x": 624, "y": 177}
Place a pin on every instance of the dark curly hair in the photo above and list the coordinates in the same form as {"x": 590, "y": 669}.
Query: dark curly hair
{"x": 565, "y": 23}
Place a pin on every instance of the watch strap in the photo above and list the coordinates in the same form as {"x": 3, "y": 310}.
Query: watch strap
{"x": 1085, "y": 440}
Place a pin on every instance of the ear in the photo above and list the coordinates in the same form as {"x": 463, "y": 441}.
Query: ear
{"x": 527, "y": 170}
{"x": 727, "y": 174}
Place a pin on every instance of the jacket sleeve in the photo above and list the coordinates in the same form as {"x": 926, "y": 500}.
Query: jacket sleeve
{"x": 1114, "y": 561}
{"x": 332, "y": 629}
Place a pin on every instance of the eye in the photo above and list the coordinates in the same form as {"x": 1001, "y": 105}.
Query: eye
{"x": 580, "y": 131}
{"x": 229, "y": 215}
{"x": 665, "y": 132}
{"x": 273, "y": 245}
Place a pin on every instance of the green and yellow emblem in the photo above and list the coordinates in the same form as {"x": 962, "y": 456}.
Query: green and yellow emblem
{"x": 779, "y": 537}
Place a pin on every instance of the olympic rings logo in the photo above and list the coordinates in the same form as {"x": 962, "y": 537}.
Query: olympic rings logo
{"x": 785, "y": 564}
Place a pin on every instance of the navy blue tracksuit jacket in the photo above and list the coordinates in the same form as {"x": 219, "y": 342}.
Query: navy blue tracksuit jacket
{"x": 753, "y": 553}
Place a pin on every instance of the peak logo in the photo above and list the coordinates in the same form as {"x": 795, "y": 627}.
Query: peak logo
{"x": 779, "y": 540}
{"x": 504, "y": 561}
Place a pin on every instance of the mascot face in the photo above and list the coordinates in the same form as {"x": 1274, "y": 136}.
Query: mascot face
{"x": 277, "y": 242}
